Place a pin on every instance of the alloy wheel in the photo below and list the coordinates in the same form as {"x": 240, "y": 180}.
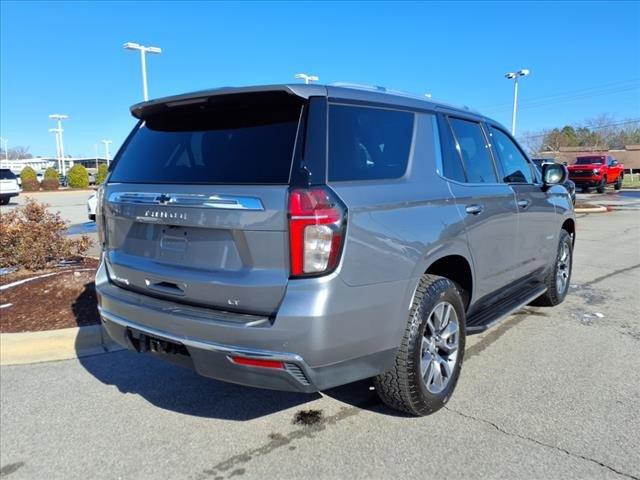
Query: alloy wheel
{"x": 439, "y": 351}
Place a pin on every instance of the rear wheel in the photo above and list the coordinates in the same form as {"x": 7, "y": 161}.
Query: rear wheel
{"x": 4, "y": 201}
{"x": 559, "y": 276}
{"x": 618, "y": 184}
{"x": 585, "y": 189}
{"x": 429, "y": 360}
{"x": 602, "y": 185}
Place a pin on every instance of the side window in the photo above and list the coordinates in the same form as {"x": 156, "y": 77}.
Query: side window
{"x": 451, "y": 162}
{"x": 515, "y": 166}
{"x": 472, "y": 147}
{"x": 368, "y": 143}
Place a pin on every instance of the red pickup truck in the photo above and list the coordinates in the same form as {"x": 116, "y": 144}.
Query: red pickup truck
{"x": 596, "y": 171}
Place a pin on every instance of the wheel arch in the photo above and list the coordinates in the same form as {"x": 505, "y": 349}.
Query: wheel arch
{"x": 457, "y": 269}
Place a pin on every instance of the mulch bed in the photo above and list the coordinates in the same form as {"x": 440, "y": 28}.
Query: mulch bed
{"x": 67, "y": 299}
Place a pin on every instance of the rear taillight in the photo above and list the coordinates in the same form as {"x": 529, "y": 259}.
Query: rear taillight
{"x": 317, "y": 222}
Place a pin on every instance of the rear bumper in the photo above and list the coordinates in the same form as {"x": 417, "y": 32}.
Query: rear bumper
{"x": 5, "y": 194}
{"x": 320, "y": 339}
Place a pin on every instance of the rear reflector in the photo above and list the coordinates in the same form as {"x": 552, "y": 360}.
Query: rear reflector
{"x": 254, "y": 362}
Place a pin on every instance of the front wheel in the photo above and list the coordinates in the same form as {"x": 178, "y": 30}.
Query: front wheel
{"x": 602, "y": 185}
{"x": 4, "y": 201}
{"x": 428, "y": 362}
{"x": 559, "y": 276}
{"x": 618, "y": 184}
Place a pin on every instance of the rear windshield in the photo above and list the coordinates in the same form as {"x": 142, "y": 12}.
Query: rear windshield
{"x": 589, "y": 161}
{"x": 239, "y": 139}
{"x": 6, "y": 174}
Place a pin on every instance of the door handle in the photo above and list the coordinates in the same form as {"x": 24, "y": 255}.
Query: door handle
{"x": 474, "y": 209}
{"x": 523, "y": 204}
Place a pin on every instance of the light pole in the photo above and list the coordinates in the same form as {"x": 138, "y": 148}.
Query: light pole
{"x": 106, "y": 149}
{"x": 307, "y": 78}
{"x": 60, "y": 143}
{"x": 143, "y": 61}
{"x": 514, "y": 76}
{"x": 6, "y": 149}
{"x": 55, "y": 130}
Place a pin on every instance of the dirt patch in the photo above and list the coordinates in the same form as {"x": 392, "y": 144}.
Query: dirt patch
{"x": 65, "y": 299}
{"x": 307, "y": 417}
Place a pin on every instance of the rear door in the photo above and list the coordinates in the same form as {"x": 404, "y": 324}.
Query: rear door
{"x": 195, "y": 208}
{"x": 537, "y": 240}
{"x": 487, "y": 205}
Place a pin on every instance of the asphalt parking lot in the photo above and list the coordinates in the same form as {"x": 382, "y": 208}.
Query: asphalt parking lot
{"x": 548, "y": 393}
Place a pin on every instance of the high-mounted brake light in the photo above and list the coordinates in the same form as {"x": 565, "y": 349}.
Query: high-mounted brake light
{"x": 317, "y": 222}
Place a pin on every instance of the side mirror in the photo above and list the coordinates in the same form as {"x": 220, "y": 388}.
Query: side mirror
{"x": 553, "y": 174}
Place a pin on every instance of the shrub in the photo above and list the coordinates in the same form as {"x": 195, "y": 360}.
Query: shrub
{"x": 78, "y": 177}
{"x": 28, "y": 173}
{"x": 51, "y": 173}
{"x": 34, "y": 238}
{"x": 50, "y": 184}
{"x": 101, "y": 176}
{"x": 30, "y": 184}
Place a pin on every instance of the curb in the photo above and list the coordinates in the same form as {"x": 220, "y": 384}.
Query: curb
{"x": 591, "y": 210}
{"x": 52, "y": 345}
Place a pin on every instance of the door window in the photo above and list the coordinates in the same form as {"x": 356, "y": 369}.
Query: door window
{"x": 515, "y": 167}
{"x": 472, "y": 147}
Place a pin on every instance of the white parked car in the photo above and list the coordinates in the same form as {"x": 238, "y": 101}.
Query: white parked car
{"x": 8, "y": 186}
{"x": 91, "y": 207}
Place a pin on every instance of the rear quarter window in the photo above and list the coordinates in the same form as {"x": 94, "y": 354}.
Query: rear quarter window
{"x": 6, "y": 174}
{"x": 368, "y": 143}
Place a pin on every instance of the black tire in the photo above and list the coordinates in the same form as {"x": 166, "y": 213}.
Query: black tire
{"x": 555, "y": 295}
{"x": 618, "y": 184}
{"x": 402, "y": 388}
{"x": 4, "y": 201}
{"x": 602, "y": 186}
{"x": 585, "y": 189}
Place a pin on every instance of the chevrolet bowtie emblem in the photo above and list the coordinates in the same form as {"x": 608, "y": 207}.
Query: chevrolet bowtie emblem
{"x": 164, "y": 199}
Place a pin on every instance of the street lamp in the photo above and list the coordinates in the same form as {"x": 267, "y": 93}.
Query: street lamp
{"x": 143, "y": 51}
{"x": 307, "y": 78}
{"x": 514, "y": 76}
{"x": 106, "y": 150}
{"x": 59, "y": 141}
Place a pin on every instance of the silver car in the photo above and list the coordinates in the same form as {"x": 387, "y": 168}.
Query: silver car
{"x": 300, "y": 237}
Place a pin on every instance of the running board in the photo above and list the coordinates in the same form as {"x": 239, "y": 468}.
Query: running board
{"x": 485, "y": 319}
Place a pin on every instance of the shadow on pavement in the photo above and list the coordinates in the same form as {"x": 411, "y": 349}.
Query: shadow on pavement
{"x": 181, "y": 390}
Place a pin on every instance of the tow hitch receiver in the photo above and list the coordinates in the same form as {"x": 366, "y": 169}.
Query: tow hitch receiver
{"x": 142, "y": 343}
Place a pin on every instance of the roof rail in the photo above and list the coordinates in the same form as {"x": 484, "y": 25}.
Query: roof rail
{"x": 376, "y": 88}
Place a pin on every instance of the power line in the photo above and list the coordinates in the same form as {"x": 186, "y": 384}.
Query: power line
{"x": 601, "y": 127}
{"x": 571, "y": 96}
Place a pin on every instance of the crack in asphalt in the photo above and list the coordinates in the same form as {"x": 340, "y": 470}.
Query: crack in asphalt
{"x": 542, "y": 444}
{"x": 615, "y": 272}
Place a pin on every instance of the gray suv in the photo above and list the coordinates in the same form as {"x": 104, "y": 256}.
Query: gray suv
{"x": 301, "y": 237}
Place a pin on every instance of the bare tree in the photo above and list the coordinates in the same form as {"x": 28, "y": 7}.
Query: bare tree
{"x": 533, "y": 142}
{"x": 17, "y": 153}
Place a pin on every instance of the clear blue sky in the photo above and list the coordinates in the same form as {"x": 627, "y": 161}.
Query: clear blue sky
{"x": 68, "y": 57}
